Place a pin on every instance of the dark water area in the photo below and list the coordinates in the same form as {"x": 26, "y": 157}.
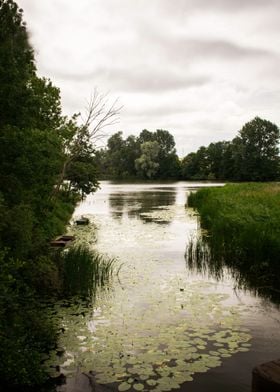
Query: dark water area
{"x": 162, "y": 324}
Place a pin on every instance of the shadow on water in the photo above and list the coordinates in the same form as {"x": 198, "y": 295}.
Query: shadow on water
{"x": 140, "y": 204}
{"x": 214, "y": 257}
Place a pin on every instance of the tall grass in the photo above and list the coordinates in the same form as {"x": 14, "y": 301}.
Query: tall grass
{"x": 243, "y": 224}
{"x": 84, "y": 270}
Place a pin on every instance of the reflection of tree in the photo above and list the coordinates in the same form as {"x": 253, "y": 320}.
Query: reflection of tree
{"x": 135, "y": 204}
{"x": 211, "y": 256}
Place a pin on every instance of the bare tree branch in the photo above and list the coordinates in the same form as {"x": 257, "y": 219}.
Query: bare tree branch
{"x": 99, "y": 114}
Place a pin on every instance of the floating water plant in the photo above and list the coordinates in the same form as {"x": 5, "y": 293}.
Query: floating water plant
{"x": 160, "y": 347}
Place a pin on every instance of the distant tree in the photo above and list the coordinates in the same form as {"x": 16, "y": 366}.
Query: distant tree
{"x": 147, "y": 165}
{"x": 216, "y": 160}
{"x": 132, "y": 151}
{"x": 259, "y": 150}
{"x": 253, "y": 155}
{"x": 166, "y": 141}
{"x": 115, "y": 153}
{"x": 169, "y": 165}
{"x": 146, "y": 136}
{"x": 189, "y": 166}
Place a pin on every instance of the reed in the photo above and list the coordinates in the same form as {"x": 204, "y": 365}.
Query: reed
{"x": 243, "y": 231}
{"x": 84, "y": 270}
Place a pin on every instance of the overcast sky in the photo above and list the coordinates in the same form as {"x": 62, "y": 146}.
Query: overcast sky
{"x": 198, "y": 68}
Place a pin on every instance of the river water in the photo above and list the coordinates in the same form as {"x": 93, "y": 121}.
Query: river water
{"x": 161, "y": 326}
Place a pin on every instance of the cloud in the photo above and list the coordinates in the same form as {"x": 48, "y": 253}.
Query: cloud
{"x": 218, "y": 5}
{"x": 215, "y": 48}
{"x": 137, "y": 80}
{"x": 200, "y": 68}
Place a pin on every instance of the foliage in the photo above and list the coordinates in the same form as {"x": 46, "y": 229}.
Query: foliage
{"x": 26, "y": 332}
{"x": 259, "y": 152}
{"x": 251, "y": 156}
{"x": 147, "y": 165}
{"x": 84, "y": 270}
{"x": 243, "y": 228}
{"x": 17, "y": 65}
{"x": 39, "y": 150}
{"x": 150, "y": 155}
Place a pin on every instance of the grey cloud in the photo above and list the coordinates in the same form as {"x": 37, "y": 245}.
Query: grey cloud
{"x": 191, "y": 49}
{"x": 166, "y": 109}
{"x": 236, "y": 4}
{"x": 222, "y": 5}
{"x": 137, "y": 80}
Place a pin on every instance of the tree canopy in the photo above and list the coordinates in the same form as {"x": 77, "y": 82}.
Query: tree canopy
{"x": 151, "y": 155}
{"x": 253, "y": 155}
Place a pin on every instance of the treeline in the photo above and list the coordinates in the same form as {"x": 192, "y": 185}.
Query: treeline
{"x": 46, "y": 166}
{"x": 253, "y": 155}
{"x": 151, "y": 155}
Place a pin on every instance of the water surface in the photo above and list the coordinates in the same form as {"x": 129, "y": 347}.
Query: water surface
{"x": 161, "y": 326}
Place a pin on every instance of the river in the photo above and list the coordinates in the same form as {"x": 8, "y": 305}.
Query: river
{"x": 161, "y": 326}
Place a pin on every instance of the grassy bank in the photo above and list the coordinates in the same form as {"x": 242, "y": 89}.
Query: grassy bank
{"x": 243, "y": 229}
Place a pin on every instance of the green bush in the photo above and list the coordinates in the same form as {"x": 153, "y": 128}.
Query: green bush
{"x": 27, "y": 332}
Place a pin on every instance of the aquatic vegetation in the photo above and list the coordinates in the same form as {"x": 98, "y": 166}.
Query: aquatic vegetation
{"x": 243, "y": 222}
{"x": 84, "y": 270}
{"x": 84, "y": 235}
{"x": 160, "y": 325}
{"x": 185, "y": 329}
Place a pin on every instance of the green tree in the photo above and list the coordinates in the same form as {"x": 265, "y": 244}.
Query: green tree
{"x": 147, "y": 165}
{"x": 82, "y": 172}
{"x": 216, "y": 160}
{"x": 116, "y": 146}
{"x": 189, "y": 166}
{"x": 146, "y": 136}
{"x": 44, "y": 105}
{"x": 169, "y": 166}
{"x": 17, "y": 65}
{"x": 259, "y": 152}
{"x": 29, "y": 166}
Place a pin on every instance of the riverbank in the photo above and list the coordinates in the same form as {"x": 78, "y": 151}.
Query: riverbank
{"x": 243, "y": 224}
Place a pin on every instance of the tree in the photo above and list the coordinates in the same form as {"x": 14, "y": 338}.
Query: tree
{"x": 17, "y": 65}
{"x": 81, "y": 172}
{"x": 147, "y": 165}
{"x": 259, "y": 152}
{"x": 169, "y": 165}
{"x": 39, "y": 150}
{"x": 189, "y": 166}
{"x": 216, "y": 160}
{"x": 77, "y": 139}
{"x": 116, "y": 155}
{"x": 44, "y": 105}
{"x": 146, "y": 136}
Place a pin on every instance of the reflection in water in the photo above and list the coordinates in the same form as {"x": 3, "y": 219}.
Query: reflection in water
{"x": 211, "y": 257}
{"x": 161, "y": 325}
{"x": 140, "y": 204}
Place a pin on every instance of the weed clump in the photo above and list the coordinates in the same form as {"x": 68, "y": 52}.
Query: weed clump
{"x": 84, "y": 270}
